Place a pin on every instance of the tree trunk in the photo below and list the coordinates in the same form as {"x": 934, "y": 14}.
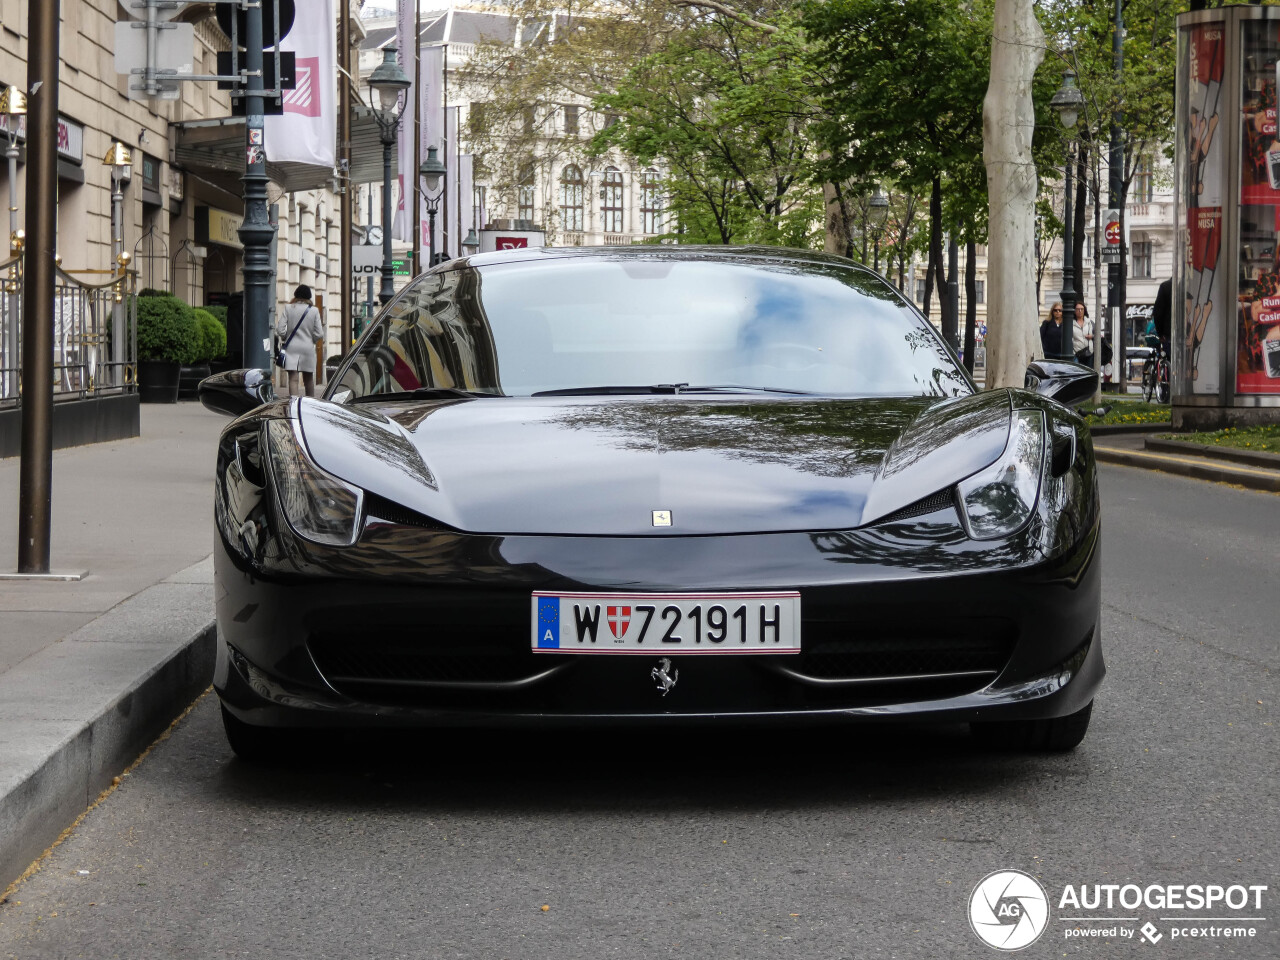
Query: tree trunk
{"x": 935, "y": 251}
{"x": 928, "y": 284}
{"x": 970, "y": 302}
{"x": 1008, "y": 122}
{"x": 1079, "y": 218}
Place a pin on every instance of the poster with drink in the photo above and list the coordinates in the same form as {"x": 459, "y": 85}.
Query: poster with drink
{"x": 1258, "y": 309}
{"x": 1198, "y": 280}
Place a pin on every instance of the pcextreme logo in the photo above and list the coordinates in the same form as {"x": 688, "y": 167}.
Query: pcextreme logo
{"x": 1008, "y": 910}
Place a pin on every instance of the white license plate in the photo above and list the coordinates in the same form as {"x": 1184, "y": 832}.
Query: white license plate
{"x": 666, "y": 623}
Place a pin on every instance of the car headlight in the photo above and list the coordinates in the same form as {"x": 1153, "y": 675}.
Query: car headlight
{"x": 999, "y": 499}
{"x": 318, "y": 505}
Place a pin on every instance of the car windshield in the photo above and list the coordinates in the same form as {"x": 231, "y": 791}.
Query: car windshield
{"x": 650, "y": 324}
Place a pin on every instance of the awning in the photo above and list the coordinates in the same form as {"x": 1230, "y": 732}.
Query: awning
{"x": 218, "y": 146}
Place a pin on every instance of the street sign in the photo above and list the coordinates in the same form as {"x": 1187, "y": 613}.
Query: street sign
{"x": 366, "y": 260}
{"x": 1113, "y": 236}
{"x": 175, "y": 46}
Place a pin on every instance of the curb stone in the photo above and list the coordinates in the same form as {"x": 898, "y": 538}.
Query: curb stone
{"x": 1200, "y": 468}
{"x": 77, "y": 713}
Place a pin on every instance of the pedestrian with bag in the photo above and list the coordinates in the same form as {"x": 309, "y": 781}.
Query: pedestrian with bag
{"x": 1082, "y": 336}
{"x": 299, "y": 328}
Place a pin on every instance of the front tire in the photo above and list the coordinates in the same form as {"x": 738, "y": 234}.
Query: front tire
{"x": 1055, "y": 735}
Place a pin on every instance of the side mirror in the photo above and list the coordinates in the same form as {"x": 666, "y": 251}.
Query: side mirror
{"x": 237, "y": 391}
{"x": 1069, "y": 383}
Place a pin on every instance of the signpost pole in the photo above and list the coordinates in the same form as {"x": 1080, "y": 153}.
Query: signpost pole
{"x": 35, "y": 495}
{"x": 256, "y": 233}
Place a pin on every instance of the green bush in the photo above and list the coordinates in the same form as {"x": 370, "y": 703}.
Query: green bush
{"x": 213, "y": 337}
{"x": 153, "y": 292}
{"x": 167, "y": 328}
{"x": 219, "y": 314}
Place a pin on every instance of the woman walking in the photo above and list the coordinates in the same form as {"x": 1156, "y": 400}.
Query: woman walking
{"x": 299, "y": 328}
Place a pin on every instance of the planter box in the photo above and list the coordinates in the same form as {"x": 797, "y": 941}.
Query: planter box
{"x": 158, "y": 381}
{"x": 189, "y": 380}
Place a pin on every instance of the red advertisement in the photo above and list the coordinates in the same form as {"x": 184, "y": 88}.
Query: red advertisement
{"x": 1258, "y": 309}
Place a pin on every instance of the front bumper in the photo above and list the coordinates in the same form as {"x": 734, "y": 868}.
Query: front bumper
{"x": 888, "y": 636}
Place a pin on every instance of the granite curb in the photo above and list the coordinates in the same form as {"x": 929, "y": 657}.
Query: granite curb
{"x": 1253, "y": 458}
{"x": 1198, "y": 467}
{"x": 77, "y": 713}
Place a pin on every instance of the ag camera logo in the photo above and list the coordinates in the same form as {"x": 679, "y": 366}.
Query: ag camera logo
{"x": 1008, "y": 910}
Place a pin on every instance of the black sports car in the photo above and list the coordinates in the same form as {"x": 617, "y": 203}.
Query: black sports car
{"x": 579, "y": 486}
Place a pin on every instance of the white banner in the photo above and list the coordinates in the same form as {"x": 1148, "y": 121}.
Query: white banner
{"x": 433, "y": 132}
{"x": 406, "y": 37}
{"x": 308, "y": 129}
{"x": 466, "y": 198}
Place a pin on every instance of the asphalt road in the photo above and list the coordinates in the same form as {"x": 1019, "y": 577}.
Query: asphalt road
{"x": 864, "y": 842}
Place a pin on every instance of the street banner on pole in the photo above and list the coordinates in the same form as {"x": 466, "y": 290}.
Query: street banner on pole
{"x": 466, "y": 197}
{"x": 406, "y": 36}
{"x": 307, "y": 129}
{"x": 433, "y": 128}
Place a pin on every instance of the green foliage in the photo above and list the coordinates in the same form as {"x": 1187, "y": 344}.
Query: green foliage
{"x": 724, "y": 105}
{"x": 219, "y": 314}
{"x": 167, "y": 328}
{"x": 154, "y": 292}
{"x": 213, "y": 336}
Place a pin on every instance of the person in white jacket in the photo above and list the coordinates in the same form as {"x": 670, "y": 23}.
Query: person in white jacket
{"x": 300, "y": 328}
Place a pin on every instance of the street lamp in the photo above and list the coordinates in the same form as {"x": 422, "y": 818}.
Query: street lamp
{"x": 878, "y": 214}
{"x": 472, "y": 243}
{"x": 388, "y": 82}
{"x": 13, "y": 104}
{"x": 435, "y": 180}
{"x": 121, "y": 165}
{"x": 1067, "y": 101}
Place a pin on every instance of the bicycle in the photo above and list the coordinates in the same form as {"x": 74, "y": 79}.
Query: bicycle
{"x": 1155, "y": 373}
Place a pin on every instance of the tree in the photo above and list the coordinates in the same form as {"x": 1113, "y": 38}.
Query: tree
{"x": 901, "y": 100}
{"x": 1017, "y": 47}
{"x": 723, "y": 106}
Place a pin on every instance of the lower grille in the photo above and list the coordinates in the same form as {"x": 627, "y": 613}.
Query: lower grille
{"x": 865, "y": 652}
{"x": 347, "y": 661}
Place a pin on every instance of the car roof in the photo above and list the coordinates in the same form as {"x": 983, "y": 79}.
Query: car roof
{"x": 717, "y": 253}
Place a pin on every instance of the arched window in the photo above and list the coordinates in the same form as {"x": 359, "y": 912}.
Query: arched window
{"x": 612, "y": 196}
{"x": 650, "y": 202}
{"x": 571, "y": 208}
{"x": 524, "y": 193}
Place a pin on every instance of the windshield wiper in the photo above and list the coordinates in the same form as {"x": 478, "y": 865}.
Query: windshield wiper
{"x": 613, "y": 391}
{"x": 425, "y": 393}
{"x": 744, "y": 388}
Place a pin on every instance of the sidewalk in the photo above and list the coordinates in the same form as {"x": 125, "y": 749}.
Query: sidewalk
{"x": 92, "y": 671}
{"x": 1144, "y": 449}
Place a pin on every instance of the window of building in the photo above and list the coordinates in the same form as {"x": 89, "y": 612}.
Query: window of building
{"x": 920, "y": 290}
{"x": 524, "y": 193}
{"x": 1140, "y": 259}
{"x": 979, "y": 291}
{"x": 650, "y": 202}
{"x": 611, "y": 195}
{"x": 475, "y": 117}
{"x": 571, "y": 111}
{"x": 1143, "y": 189}
{"x": 530, "y": 115}
{"x": 571, "y": 189}
{"x": 610, "y": 119}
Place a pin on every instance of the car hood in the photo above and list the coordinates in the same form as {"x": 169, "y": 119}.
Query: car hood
{"x": 602, "y": 466}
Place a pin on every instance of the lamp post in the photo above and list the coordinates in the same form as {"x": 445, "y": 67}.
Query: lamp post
{"x": 121, "y": 165}
{"x": 878, "y": 214}
{"x": 13, "y": 105}
{"x": 1067, "y": 101}
{"x": 435, "y": 178}
{"x": 471, "y": 244}
{"x": 388, "y": 82}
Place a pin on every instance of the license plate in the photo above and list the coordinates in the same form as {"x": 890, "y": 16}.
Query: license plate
{"x": 666, "y": 623}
